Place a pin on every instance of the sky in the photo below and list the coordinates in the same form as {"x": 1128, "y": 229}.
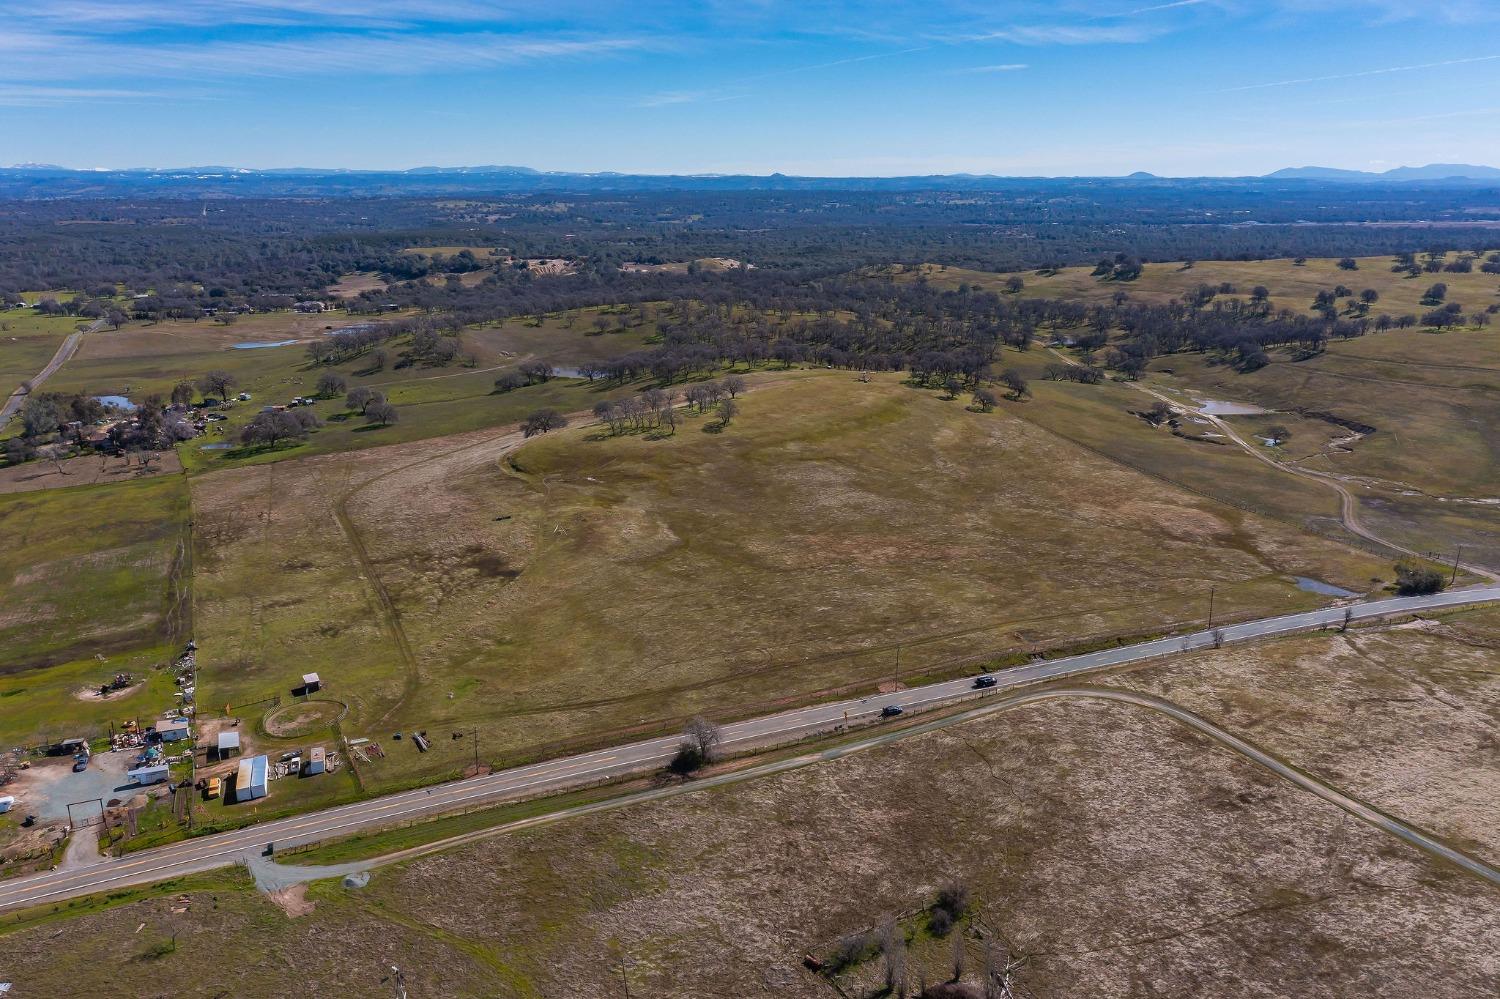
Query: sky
{"x": 809, "y": 87}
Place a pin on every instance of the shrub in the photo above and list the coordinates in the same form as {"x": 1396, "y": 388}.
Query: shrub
{"x": 1414, "y": 580}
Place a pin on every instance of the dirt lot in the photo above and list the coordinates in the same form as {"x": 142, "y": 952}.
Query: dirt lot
{"x": 1122, "y": 855}
{"x": 89, "y": 470}
{"x": 50, "y": 785}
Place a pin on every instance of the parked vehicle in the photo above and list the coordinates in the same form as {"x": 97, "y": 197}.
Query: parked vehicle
{"x": 215, "y": 785}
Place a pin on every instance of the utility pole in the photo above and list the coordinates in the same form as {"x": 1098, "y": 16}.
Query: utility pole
{"x": 476, "y": 751}
{"x": 398, "y": 980}
{"x": 1456, "y": 554}
{"x": 1211, "y": 590}
{"x": 898, "y": 664}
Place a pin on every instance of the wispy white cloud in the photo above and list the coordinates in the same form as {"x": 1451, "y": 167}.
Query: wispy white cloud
{"x": 1008, "y": 67}
{"x": 378, "y": 54}
{"x": 1383, "y": 71}
{"x": 33, "y": 96}
{"x": 1156, "y": 7}
{"x": 86, "y": 15}
{"x": 669, "y": 98}
{"x": 1073, "y": 34}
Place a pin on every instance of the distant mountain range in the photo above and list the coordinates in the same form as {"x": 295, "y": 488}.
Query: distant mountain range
{"x": 40, "y": 180}
{"x": 1461, "y": 172}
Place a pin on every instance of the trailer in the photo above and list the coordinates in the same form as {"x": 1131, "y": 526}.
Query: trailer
{"x": 151, "y": 773}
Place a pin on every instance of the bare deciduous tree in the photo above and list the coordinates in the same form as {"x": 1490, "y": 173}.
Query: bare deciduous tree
{"x": 893, "y": 950}
{"x": 218, "y": 384}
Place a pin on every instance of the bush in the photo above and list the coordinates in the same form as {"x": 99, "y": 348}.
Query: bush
{"x": 510, "y": 381}
{"x": 1415, "y": 580}
{"x": 689, "y": 759}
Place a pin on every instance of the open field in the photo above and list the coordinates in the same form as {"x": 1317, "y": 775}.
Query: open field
{"x": 1117, "y": 851}
{"x": 1427, "y": 475}
{"x": 87, "y": 470}
{"x": 40, "y": 706}
{"x": 91, "y": 570}
{"x": 1103, "y": 418}
{"x": 590, "y": 586}
{"x": 1291, "y": 287}
{"x": 1405, "y": 716}
{"x": 27, "y": 342}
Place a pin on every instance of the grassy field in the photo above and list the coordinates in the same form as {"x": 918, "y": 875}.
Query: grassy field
{"x": 1291, "y": 286}
{"x": 589, "y": 587}
{"x": 1427, "y": 476}
{"x": 27, "y": 342}
{"x": 1117, "y": 852}
{"x": 90, "y": 570}
{"x": 141, "y": 359}
{"x": 42, "y": 706}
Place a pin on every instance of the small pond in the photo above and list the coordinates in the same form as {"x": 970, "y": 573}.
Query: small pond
{"x": 1218, "y": 407}
{"x": 1318, "y": 586}
{"x": 268, "y": 343}
{"x": 215, "y": 447}
{"x": 116, "y": 402}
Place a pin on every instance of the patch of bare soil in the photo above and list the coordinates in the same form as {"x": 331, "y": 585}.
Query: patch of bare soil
{"x": 352, "y": 285}
{"x": 89, "y": 470}
{"x": 301, "y": 719}
{"x": 93, "y": 694}
{"x": 292, "y": 901}
{"x": 1407, "y": 718}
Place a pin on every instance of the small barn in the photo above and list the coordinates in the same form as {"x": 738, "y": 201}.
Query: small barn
{"x": 316, "y": 762}
{"x": 250, "y": 781}
{"x": 310, "y": 682}
{"x": 228, "y": 744}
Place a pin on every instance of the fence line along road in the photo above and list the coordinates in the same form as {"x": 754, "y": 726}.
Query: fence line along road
{"x": 223, "y": 849}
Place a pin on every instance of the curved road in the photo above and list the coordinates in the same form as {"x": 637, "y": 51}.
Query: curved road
{"x": 1348, "y": 503}
{"x": 272, "y": 875}
{"x": 65, "y": 350}
{"x": 223, "y": 849}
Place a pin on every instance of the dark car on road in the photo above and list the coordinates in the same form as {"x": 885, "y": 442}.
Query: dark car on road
{"x": 890, "y": 711}
{"x": 984, "y": 681}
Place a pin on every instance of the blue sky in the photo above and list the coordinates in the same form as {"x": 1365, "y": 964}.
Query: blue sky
{"x": 819, "y": 87}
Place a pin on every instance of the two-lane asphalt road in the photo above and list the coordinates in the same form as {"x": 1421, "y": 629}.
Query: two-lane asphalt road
{"x": 551, "y": 777}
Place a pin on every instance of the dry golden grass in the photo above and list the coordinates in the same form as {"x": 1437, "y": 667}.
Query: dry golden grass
{"x": 590, "y": 587}
{"x": 1122, "y": 854}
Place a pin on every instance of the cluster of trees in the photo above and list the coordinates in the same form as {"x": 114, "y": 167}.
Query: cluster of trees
{"x": 271, "y": 429}
{"x": 527, "y": 373}
{"x": 656, "y": 408}
{"x": 1414, "y": 579}
{"x": 71, "y": 417}
{"x": 650, "y": 410}
{"x": 372, "y": 405}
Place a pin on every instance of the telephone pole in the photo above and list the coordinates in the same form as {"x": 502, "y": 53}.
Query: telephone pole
{"x": 1211, "y": 607}
{"x": 1457, "y": 552}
